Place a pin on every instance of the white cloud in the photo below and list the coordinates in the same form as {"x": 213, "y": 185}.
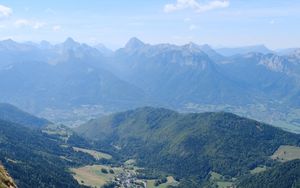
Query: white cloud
{"x": 50, "y": 11}
{"x": 187, "y": 20}
{"x": 56, "y": 28}
{"x": 195, "y": 5}
{"x": 22, "y": 23}
{"x": 28, "y": 23}
{"x": 38, "y": 25}
{"x": 5, "y": 11}
{"x": 272, "y": 22}
{"x": 192, "y": 27}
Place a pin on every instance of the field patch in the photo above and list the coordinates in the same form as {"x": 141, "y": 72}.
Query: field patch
{"x": 124, "y": 176}
{"x": 286, "y": 153}
{"x": 96, "y": 154}
{"x": 95, "y": 175}
{"x": 220, "y": 181}
{"x": 171, "y": 182}
{"x": 258, "y": 169}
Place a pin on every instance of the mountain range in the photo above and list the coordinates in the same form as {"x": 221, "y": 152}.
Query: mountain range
{"x": 71, "y": 75}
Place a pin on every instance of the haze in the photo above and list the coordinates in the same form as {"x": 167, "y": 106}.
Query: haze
{"x": 220, "y": 23}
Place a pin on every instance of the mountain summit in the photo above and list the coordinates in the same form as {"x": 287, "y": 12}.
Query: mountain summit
{"x": 134, "y": 43}
{"x": 70, "y": 43}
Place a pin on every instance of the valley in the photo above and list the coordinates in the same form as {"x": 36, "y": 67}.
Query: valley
{"x": 148, "y": 115}
{"x": 146, "y": 147}
{"x": 150, "y": 94}
{"x": 140, "y": 122}
{"x": 74, "y": 82}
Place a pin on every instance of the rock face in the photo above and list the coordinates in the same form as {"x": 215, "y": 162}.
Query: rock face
{"x": 5, "y": 180}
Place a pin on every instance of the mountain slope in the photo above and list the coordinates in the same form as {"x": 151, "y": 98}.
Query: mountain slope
{"x": 244, "y": 50}
{"x": 48, "y": 79}
{"x": 66, "y": 75}
{"x": 27, "y": 155}
{"x": 189, "y": 144}
{"x": 5, "y": 180}
{"x": 286, "y": 175}
{"x": 269, "y": 76}
{"x": 35, "y": 159}
{"x": 13, "y": 114}
{"x": 177, "y": 75}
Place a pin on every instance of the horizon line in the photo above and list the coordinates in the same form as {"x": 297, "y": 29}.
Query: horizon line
{"x": 94, "y": 44}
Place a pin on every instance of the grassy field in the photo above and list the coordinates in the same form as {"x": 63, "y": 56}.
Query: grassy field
{"x": 130, "y": 162}
{"x": 171, "y": 181}
{"x": 93, "y": 176}
{"x": 59, "y": 130}
{"x": 96, "y": 154}
{"x": 220, "y": 181}
{"x": 258, "y": 169}
{"x": 286, "y": 153}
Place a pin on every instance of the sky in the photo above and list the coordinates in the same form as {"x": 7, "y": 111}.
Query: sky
{"x": 219, "y": 23}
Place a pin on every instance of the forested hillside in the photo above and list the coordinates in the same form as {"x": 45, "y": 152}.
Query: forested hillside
{"x": 189, "y": 145}
{"x": 35, "y": 159}
{"x": 13, "y": 114}
{"x": 286, "y": 175}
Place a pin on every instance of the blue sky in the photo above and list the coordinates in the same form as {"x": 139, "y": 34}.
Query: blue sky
{"x": 275, "y": 23}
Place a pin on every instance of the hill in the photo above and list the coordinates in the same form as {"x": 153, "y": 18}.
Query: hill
{"x": 13, "y": 114}
{"x": 189, "y": 145}
{"x": 286, "y": 175}
{"x": 35, "y": 159}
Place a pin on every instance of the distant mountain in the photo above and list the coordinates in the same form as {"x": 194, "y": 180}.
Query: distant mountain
{"x": 71, "y": 75}
{"x": 262, "y": 72}
{"x": 175, "y": 75}
{"x": 270, "y": 77}
{"x": 193, "y": 74}
{"x": 61, "y": 76}
{"x": 45, "y": 45}
{"x": 188, "y": 145}
{"x": 104, "y": 50}
{"x": 12, "y": 52}
{"x": 212, "y": 54}
{"x": 295, "y": 54}
{"x": 134, "y": 44}
{"x": 244, "y": 50}
{"x": 15, "y": 115}
{"x": 286, "y": 52}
